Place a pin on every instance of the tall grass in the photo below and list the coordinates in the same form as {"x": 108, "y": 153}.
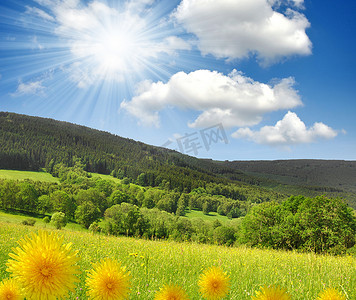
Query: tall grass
{"x": 155, "y": 263}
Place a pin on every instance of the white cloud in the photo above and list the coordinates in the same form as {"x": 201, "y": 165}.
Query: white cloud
{"x": 172, "y": 44}
{"x": 30, "y": 88}
{"x": 236, "y": 29}
{"x": 290, "y": 130}
{"x": 235, "y": 100}
{"x": 298, "y": 3}
{"x": 39, "y": 12}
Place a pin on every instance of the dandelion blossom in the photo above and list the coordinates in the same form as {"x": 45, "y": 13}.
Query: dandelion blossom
{"x": 10, "y": 290}
{"x": 108, "y": 281}
{"x": 214, "y": 284}
{"x": 331, "y": 294}
{"x": 171, "y": 292}
{"x": 271, "y": 293}
{"x": 44, "y": 266}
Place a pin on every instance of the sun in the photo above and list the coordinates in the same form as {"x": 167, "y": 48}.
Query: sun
{"x": 115, "y": 50}
{"x": 114, "y": 43}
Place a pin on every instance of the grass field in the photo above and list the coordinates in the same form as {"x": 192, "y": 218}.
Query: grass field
{"x": 21, "y": 175}
{"x": 106, "y": 177}
{"x": 18, "y": 218}
{"x": 192, "y": 214}
{"x": 156, "y": 263}
{"x": 43, "y": 176}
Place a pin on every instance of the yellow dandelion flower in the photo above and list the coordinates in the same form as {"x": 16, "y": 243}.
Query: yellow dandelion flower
{"x": 272, "y": 293}
{"x": 214, "y": 284}
{"x": 44, "y": 266}
{"x": 10, "y": 290}
{"x": 108, "y": 281}
{"x": 331, "y": 294}
{"x": 171, "y": 292}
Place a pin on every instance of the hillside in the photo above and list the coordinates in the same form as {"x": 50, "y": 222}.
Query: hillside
{"x": 338, "y": 174}
{"x": 33, "y": 143}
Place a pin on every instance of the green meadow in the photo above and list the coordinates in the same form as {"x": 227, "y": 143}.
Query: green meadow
{"x": 22, "y": 175}
{"x": 212, "y": 216}
{"x": 153, "y": 264}
{"x": 43, "y": 176}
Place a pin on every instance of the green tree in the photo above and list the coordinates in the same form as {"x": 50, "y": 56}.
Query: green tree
{"x": 87, "y": 213}
{"x": 316, "y": 224}
{"x": 104, "y": 186}
{"x": 142, "y": 179}
{"x": 62, "y": 202}
{"x": 44, "y": 204}
{"x": 117, "y": 197}
{"x": 27, "y": 197}
{"x": 206, "y": 208}
{"x": 181, "y": 206}
{"x": 59, "y": 220}
{"x": 125, "y": 218}
{"x": 224, "y": 235}
{"x": 93, "y": 195}
{"x": 326, "y": 224}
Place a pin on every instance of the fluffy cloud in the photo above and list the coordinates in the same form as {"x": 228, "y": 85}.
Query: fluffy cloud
{"x": 236, "y": 29}
{"x": 288, "y": 131}
{"x": 235, "y": 100}
{"x": 30, "y": 88}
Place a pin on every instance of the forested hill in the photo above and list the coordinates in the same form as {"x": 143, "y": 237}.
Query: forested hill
{"x": 337, "y": 174}
{"x": 32, "y": 143}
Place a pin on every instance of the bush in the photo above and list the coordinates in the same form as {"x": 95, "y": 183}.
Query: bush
{"x": 94, "y": 227}
{"x": 46, "y": 220}
{"x": 59, "y": 220}
{"x": 224, "y": 235}
{"x": 29, "y": 222}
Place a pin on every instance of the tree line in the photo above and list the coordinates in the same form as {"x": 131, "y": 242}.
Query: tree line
{"x": 315, "y": 224}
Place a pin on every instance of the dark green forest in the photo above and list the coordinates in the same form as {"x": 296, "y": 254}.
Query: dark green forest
{"x": 32, "y": 143}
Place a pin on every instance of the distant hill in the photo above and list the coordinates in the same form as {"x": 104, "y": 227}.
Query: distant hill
{"x": 338, "y": 174}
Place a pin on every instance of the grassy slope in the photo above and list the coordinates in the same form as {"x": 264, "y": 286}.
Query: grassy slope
{"x": 18, "y": 218}
{"x": 212, "y": 216}
{"x": 43, "y": 176}
{"x": 21, "y": 175}
{"x": 106, "y": 177}
{"x": 161, "y": 262}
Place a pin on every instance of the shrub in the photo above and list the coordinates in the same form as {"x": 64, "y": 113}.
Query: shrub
{"x": 94, "y": 227}
{"x": 59, "y": 220}
{"x": 29, "y": 222}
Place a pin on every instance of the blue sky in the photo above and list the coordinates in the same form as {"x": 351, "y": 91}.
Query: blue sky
{"x": 263, "y": 79}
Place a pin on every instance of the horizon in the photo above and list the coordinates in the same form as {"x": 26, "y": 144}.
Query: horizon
{"x": 176, "y": 74}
